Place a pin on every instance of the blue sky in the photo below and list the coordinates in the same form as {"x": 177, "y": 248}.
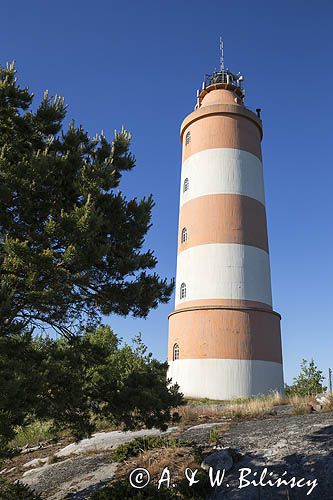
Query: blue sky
{"x": 139, "y": 63}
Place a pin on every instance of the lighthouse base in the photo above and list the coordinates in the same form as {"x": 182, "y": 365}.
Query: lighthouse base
{"x": 226, "y": 378}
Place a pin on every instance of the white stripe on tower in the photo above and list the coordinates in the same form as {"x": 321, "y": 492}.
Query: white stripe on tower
{"x": 207, "y": 378}
{"x": 224, "y": 271}
{"x": 222, "y": 171}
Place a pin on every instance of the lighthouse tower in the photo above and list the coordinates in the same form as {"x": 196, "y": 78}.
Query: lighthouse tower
{"x": 224, "y": 337}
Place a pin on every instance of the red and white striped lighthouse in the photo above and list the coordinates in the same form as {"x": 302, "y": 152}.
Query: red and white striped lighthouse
{"x": 224, "y": 337}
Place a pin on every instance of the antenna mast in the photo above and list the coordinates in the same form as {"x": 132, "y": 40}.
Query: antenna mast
{"x": 222, "y": 55}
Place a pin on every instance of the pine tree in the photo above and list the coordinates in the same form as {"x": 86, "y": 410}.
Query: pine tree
{"x": 70, "y": 242}
{"x": 71, "y": 250}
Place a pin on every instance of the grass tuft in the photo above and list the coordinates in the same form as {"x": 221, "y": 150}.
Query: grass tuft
{"x": 33, "y": 434}
{"x": 301, "y": 409}
{"x": 238, "y": 408}
{"x": 329, "y": 405}
{"x": 138, "y": 445}
{"x": 214, "y": 435}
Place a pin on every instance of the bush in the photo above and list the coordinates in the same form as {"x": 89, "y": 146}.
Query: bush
{"x": 71, "y": 383}
{"x": 33, "y": 434}
{"x": 308, "y": 383}
{"x": 16, "y": 491}
{"x": 18, "y": 382}
{"x": 138, "y": 445}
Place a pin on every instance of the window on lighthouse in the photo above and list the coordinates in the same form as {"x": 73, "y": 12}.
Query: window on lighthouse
{"x": 182, "y": 291}
{"x": 184, "y": 234}
{"x": 188, "y": 138}
{"x": 175, "y": 352}
{"x": 186, "y": 185}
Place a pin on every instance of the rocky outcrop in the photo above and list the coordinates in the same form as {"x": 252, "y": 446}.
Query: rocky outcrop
{"x": 282, "y": 446}
{"x": 79, "y": 468}
{"x": 288, "y": 447}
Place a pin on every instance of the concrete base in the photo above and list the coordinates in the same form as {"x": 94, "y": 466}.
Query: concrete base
{"x": 226, "y": 378}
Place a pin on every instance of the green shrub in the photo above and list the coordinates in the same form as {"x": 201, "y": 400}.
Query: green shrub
{"x": 71, "y": 383}
{"x": 308, "y": 383}
{"x": 133, "y": 448}
{"x": 34, "y": 433}
{"x": 16, "y": 491}
{"x": 214, "y": 434}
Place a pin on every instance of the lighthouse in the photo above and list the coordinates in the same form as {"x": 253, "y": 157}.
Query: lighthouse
{"x": 224, "y": 336}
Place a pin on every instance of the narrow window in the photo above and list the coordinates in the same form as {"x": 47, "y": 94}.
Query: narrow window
{"x": 175, "y": 352}
{"x": 184, "y": 234}
{"x": 182, "y": 291}
{"x": 188, "y": 138}
{"x": 186, "y": 185}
